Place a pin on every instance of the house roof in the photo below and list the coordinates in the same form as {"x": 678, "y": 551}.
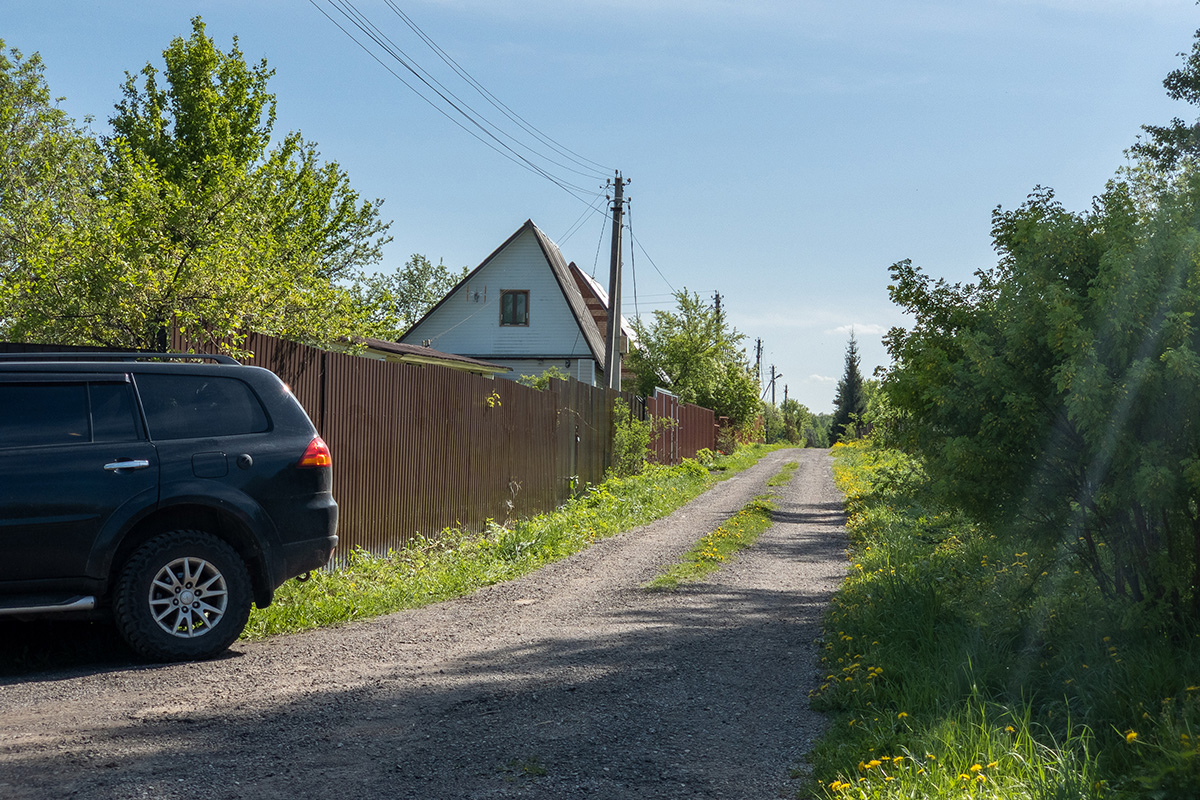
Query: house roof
{"x": 416, "y": 354}
{"x": 594, "y": 287}
{"x": 562, "y": 275}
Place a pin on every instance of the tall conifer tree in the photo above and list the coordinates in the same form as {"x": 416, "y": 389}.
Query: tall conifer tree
{"x": 850, "y": 402}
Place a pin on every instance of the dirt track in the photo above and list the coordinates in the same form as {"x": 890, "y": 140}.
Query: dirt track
{"x": 570, "y": 682}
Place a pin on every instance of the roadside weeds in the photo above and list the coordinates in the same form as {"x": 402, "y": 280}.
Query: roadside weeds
{"x": 458, "y": 562}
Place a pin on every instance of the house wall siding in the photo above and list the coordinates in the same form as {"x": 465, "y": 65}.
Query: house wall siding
{"x": 472, "y": 327}
{"x": 581, "y": 369}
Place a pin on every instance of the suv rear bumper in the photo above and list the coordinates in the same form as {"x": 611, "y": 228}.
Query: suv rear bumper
{"x": 318, "y": 516}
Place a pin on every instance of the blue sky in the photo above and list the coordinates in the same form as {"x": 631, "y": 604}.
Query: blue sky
{"x": 782, "y": 152}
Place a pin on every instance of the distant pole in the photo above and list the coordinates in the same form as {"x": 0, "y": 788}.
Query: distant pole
{"x": 612, "y": 358}
{"x": 785, "y": 394}
{"x": 758, "y": 360}
{"x": 717, "y": 300}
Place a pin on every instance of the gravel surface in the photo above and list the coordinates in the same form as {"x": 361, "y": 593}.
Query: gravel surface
{"x": 570, "y": 682}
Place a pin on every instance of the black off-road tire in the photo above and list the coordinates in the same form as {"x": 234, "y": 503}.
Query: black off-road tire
{"x": 183, "y": 596}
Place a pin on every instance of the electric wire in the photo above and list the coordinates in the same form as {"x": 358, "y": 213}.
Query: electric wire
{"x": 496, "y": 103}
{"x": 633, "y": 264}
{"x": 647, "y": 255}
{"x": 600, "y": 242}
{"x": 358, "y": 20}
{"x": 575, "y": 226}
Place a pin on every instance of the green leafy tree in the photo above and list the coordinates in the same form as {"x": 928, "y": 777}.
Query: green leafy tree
{"x": 772, "y": 417}
{"x": 1058, "y": 393}
{"x": 1169, "y": 146}
{"x": 200, "y": 226}
{"x": 692, "y": 352}
{"x": 850, "y": 402}
{"x": 396, "y": 300}
{"x": 798, "y": 424}
{"x": 822, "y": 430}
{"x": 49, "y": 172}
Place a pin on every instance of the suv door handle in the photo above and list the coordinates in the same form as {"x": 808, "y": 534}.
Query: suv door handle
{"x": 139, "y": 463}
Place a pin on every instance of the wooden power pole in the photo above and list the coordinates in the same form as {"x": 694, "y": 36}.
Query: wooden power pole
{"x": 612, "y": 356}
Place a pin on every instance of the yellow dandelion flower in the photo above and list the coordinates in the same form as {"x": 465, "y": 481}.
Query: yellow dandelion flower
{"x": 1131, "y": 737}
{"x": 993, "y": 764}
{"x": 874, "y": 762}
{"x": 1010, "y": 729}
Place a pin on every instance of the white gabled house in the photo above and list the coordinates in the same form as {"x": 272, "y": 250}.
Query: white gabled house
{"x": 521, "y": 308}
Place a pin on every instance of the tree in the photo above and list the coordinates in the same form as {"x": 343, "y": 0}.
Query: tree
{"x": 798, "y": 424}
{"x": 49, "y": 171}
{"x": 850, "y": 401}
{"x": 200, "y": 227}
{"x": 397, "y": 300}
{"x": 1169, "y": 146}
{"x": 1058, "y": 394}
{"x": 693, "y": 352}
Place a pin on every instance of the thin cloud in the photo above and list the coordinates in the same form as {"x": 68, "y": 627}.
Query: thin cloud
{"x": 821, "y": 379}
{"x": 859, "y": 328}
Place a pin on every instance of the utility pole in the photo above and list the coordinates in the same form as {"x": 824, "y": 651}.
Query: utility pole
{"x": 717, "y": 300}
{"x": 758, "y": 360}
{"x": 774, "y": 376}
{"x": 612, "y": 358}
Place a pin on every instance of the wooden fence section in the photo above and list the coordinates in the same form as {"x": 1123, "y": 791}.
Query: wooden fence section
{"x": 418, "y": 449}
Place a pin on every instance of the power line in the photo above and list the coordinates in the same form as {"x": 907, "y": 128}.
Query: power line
{"x": 633, "y": 265}
{"x": 578, "y": 223}
{"x": 600, "y": 241}
{"x": 484, "y": 126}
{"x": 647, "y": 255}
{"x": 496, "y": 102}
{"x": 364, "y": 24}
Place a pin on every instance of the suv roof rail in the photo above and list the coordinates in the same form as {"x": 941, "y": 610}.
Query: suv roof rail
{"x": 96, "y": 355}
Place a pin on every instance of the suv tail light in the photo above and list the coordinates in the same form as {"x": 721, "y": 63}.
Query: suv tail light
{"x": 316, "y": 454}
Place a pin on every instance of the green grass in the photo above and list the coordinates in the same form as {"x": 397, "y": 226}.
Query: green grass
{"x": 715, "y": 549}
{"x": 746, "y": 456}
{"x": 458, "y": 562}
{"x": 784, "y": 476}
{"x": 959, "y": 662}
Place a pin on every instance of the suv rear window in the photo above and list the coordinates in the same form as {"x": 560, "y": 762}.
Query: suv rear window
{"x": 33, "y": 415}
{"x": 199, "y": 406}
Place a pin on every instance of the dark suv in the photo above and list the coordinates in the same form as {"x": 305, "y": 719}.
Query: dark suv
{"x": 168, "y": 493}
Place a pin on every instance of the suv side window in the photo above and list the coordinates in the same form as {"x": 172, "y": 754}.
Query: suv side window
{"x": 43, "y": 414}
{"x": 199, "y": 406}
{"x": 39, "y": 414}
{"x": 114, "y": 417}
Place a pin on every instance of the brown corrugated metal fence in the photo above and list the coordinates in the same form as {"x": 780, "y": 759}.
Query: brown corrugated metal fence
{"x": 418, "y": 449}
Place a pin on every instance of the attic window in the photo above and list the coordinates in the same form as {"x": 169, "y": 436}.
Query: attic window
{"x": 514, "y": 307}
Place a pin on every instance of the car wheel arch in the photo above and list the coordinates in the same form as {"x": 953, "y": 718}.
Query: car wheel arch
{"x": 217, "y": 521}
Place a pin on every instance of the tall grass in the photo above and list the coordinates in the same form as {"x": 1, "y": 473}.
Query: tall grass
{"x": 959, "y": 661}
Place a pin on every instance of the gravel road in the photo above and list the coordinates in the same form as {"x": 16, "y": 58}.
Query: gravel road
{"x": 570, "y": 682}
